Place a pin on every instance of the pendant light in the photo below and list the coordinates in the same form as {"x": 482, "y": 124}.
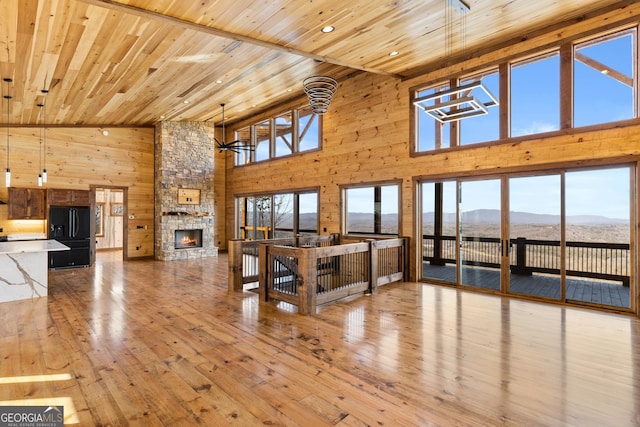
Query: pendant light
{"x": 8, "y": 98}
{"x": 40, "y": 178}
{"x": 44, "y": 131}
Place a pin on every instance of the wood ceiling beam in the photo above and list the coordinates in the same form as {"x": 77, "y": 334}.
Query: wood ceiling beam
{"x": 604, "y": 69}
{"x": 149, "y": 14}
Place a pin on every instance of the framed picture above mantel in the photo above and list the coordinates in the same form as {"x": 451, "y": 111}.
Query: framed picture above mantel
{"x": 188, "y": 196}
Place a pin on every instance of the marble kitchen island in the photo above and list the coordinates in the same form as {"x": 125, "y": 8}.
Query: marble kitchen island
{"x": 24, "y": 268}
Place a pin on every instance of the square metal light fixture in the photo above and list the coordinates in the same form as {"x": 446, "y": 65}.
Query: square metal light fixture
{"x": 460, "y": 107}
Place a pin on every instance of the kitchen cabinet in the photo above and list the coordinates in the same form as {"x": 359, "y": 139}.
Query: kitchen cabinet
{"x": 27, "y": 203}
{"x": 62, "y": 197}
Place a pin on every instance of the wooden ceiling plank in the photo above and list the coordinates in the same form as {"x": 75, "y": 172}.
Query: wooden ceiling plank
{"x": 225, "y": 34}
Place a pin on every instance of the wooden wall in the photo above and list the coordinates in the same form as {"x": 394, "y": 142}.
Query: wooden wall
{"x": 78, "y": 158}
{"x": 367, "y": 140}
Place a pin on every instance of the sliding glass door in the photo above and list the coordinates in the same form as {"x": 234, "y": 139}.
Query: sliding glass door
{"x": 480, "y": 237}
{"x": 535, "y": 235}
{"x": 598, "y": 236}
{"x": 564, "y": 235}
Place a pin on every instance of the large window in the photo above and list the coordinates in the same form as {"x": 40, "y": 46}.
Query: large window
{"x": 535, "y": 95}
{"x": 281, "y": 215}
{"x": 283, "y": 134}
{"x": 309, "y": 125}
{"x": 432, "y": 134}
{"x": 604, "y": 76}
{"x": 485, "y": 127}
{"x": 594, "y": 85}
{"x": 372, "y": 210}
{"x": 291, "y": 132}
{"x": 262, "y": 136}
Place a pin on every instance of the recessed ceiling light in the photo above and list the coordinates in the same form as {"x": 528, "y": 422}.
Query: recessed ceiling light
{"x": 218, "y": 81}
{"x": 185, "y": 101}
{"x": 328, "y": 29}
{"x": 394, "y": 53}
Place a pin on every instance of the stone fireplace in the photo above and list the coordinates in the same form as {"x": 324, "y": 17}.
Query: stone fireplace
{"x": 184, "y": 159}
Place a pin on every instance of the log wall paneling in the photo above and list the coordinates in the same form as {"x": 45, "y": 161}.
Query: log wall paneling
{"x": 78, "y": 158}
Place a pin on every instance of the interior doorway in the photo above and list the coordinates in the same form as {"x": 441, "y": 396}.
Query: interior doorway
{"x": 110, "y": 219}
{"x": 563, "y": 235}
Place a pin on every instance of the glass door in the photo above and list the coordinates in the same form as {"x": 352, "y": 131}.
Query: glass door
{"x": 565, "y": 235}
{"x": 535, "y": 235}
{"x": 480, "y": 233}
{"x": 598, "y": 236}
{"x": 439, "y": 253}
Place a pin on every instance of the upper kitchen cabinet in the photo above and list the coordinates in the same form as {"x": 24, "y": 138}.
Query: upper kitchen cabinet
{"x": 60, "y": 197}
{"x": 27, "y": 203}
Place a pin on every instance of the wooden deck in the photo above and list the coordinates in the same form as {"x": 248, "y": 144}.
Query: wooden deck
{"x": 153, "y": 343}
{"x": 593, "y": 291}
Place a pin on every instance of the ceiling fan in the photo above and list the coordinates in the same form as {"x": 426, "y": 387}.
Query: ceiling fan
{"x": 236, "y": 146}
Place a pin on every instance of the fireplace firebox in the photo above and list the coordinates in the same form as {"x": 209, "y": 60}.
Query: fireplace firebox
{"x": 187, "y": 239}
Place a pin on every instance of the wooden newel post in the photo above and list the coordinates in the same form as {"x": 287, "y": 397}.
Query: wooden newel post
{"x": 373, "y": 265}
{"x": 307, "y": 280}
{"x": 234, "y": 281}
{"x": 264, "y": 272}
{"x": 406, "y": 259}
{"x": 521, "y": 257}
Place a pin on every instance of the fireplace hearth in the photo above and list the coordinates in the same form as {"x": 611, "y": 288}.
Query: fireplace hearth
{"x": 188, "y": 239}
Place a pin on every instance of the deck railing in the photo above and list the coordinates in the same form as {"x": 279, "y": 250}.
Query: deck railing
{"x": 312, "y": 272}
{"x": 606, "y": 261}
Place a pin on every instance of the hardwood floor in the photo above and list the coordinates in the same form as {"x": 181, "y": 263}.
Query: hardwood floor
{"x": 164, "y": 343}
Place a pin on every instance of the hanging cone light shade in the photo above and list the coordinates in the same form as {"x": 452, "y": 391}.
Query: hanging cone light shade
{"x": 320, "y": 90}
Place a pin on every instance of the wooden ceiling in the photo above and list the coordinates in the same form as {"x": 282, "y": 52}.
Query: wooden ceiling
{"x": 136, "y": 62}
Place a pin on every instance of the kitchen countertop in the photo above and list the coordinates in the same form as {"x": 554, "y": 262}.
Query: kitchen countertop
{"x": 16, "y": 247}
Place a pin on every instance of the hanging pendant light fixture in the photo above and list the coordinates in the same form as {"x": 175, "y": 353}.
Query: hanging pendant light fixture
{"x": 40, "y": 178}
{"x": 8, "y": 98}
{"x": 44, "y": 131}
{"x": 467, "y": 100}
{"x": 320, "y": 91}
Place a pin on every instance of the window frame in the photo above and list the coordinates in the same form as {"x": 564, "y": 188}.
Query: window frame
{"x": 241, "y": 208}
{"x": 565, "y": 49}
{"x": 242, "y": 159}
{"x": 377, "y": 224}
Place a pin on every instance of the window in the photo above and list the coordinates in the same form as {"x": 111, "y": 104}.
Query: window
{"x": 372, "y": 210}
{"x": 244, "y": 156}
{"x": 432, "y": 135}
{"x": 485, "y": 127}
{"x": 603, "y": 79}
{"x": 284, "y": 134}
{"x": 262, "y": 132}
{"x": 277, "y": 215}
{"x": 535, "y": 95}
{"x": 599, "y": 81}
{"x": 309, "y": 129}
{"x": 288, "y": 133}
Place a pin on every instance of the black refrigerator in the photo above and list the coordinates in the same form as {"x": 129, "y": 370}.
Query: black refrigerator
{"x": 70, "y": 226}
